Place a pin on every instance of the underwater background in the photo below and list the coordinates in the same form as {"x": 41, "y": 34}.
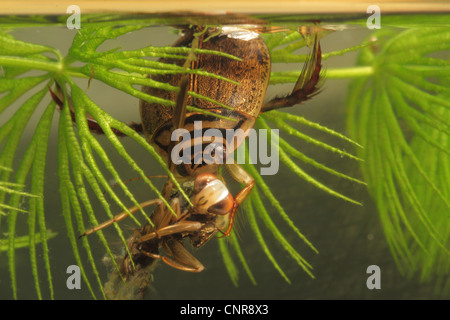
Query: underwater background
{"x": 348, "y": 237}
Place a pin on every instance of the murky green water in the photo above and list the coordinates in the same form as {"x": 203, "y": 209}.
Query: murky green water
{"x": 349, "y": 238}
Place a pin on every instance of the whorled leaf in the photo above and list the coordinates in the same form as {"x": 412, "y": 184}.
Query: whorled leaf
{"x": 432, "y": 264}
{"x": 401, "y": 117}
{"x": 34, "y": 159}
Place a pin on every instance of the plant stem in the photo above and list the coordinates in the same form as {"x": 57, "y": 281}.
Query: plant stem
{"x": 31, "y": 64}
{"x": 354, "y": 72}
{"x": 338, "y": 73}
{"x": 54, "y": 67}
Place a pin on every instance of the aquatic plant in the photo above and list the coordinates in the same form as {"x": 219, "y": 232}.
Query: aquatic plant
{"x": 397, "y": 118}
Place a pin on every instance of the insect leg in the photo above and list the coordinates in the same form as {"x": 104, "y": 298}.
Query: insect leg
{"x": 187, "y": 226}
{"x": 307, "y": 84}
{"x": 122, "y": 216}
{"x": 182, "y": 258}
{"x": 241, "y": 176}
{"x": 162, "y": 217}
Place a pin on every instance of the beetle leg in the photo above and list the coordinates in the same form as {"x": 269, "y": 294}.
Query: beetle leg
{"x": 163, "y": 217}
{"x": 151, "y": 255}
{"x": 241, "y": 176}
{"x": 182, "y": 258}
{"x": 307, "y": 84}
{"x": 147, "y": 233}
{"x": 187, "y": 226}
{"x": 122, "y": 216}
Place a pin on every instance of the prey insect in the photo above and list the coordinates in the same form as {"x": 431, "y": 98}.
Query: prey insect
{"x": 214, "y": 208}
